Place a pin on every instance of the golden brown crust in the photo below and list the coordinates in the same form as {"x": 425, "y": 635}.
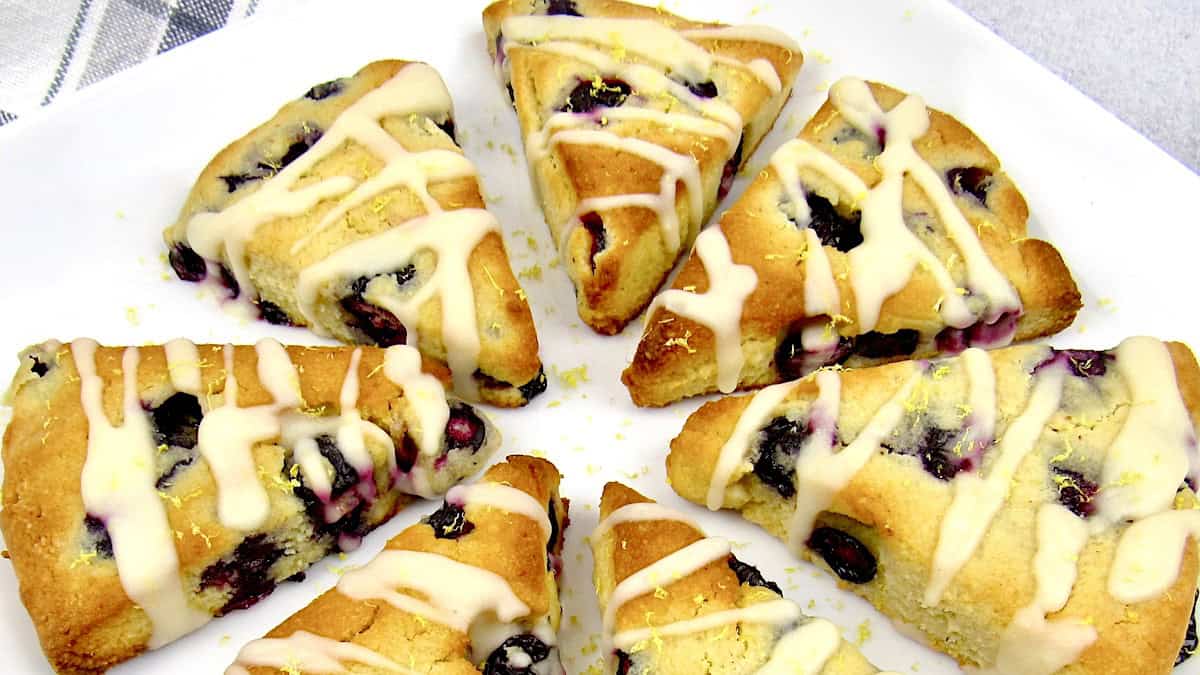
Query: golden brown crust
{"x": 618, "y": 283}
{"x": 508, "y": 339}
{"x": 633, "y": 546}
{"x": 84, "y": 620}
{"x": 890, "y": 503}
{"x": 508, "y": 544}
{"x": 761, "y": 236}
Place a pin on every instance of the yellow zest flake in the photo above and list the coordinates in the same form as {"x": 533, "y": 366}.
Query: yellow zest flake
{"x": 820, "y": 56}
{"x": 690, "y": 288}
{"x": 292, "y": 667}
{"x": 573, "y": 377}
{"x": 521, "y": 294}
{"x": 681, "y": 342}
{"x": 864, "y": 631}
{"x": 532, "y": 272}
{"x": 663, "y": 322}
{"x": 661, "y": 593}
{"x": 961, "y": 291}
{"x": 554, "y": 263}
{"x": 1068, "y": 450}
{"x": 940, "y": 372}
{"x": 162, "y": 448}
{"x": 1127, "y": 478}
{"x": 698, "y": 599}
{"x": 200, "y": 533}
{"x": 592, "y": 469}
{"x": 380, "y": 204}
{"x": 553, "y": 404}
{"x": 492, "y": 280}
{"x": 131, "y": 315}
{"x": 83, "y": 559}
{"x": 620, "y": 436}
{"x": 374, "y": 370}
{"x": 963, "y": 410}
{"x": 508, "y": 150}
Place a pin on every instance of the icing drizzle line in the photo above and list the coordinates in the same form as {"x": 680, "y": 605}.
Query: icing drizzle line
{"x": 317, "y": 655}
{"x": 803, "y": 649}
{"x": 118, "y": 487}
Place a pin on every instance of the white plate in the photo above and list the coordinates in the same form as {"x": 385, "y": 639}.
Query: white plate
{"x": 87, "y": 188}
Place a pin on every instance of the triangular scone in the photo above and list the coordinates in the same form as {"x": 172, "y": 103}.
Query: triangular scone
{"x": 635, "y": 121}
{"x": 472, "y": 588}
{"x": 885, "y": 231}
{"x": 353, "y": 212}
{"x": 147, "y": 489}
{"x": 675, "y": 602}
{"x": 1030, "y": 511}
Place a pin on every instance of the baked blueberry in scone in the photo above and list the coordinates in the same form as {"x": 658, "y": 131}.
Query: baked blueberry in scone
{"x": 886, "y": 231}
{"x": 1028, "y": 511}
{"x": 676, "y": 602}
{"x": 353, "y": 211}
{"x": 472, "y": 588}
{"x": 635, "y": 122}
{"x": 148, "y": 489}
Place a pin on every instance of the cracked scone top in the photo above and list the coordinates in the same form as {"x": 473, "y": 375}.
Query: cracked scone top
{"x": 635, "y": 121}
{"x": 352, "y": 211}
{"x": 675, "y": 601}
{"x": 472, "y": 588}
{"x": 147, "y": 489}
{"x": 1029, "y": 511}
{"x": 887, "y": 230}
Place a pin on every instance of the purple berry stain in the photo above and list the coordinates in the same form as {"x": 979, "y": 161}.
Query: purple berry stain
{"x": 749, "y": 574}
{"x": 594, "y": 224}
{"x": 188, "y": 264}
{"x": 971, "y": 180}
{"x": 1075, "y": 491}
{"x": 729, "y": 172}
{"x": 831, "y": 227}
{"x": 246, "y": 573}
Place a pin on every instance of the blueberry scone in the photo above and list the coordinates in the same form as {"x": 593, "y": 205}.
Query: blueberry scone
{"x": 148, "y": 489}
{"x": 472, "y": 588}
{"x": 352, "y": 211}
{"x": 886, "y": 231}
{"x": 635, "y": 121}
{"x": 675, "y": 602}
{"x": 1028, "y": 511}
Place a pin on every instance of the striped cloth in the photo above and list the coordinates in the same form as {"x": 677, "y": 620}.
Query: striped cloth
{"x": 52, "y": 48}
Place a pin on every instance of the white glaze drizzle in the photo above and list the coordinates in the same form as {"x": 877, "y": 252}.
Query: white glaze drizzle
{"x": 228, "y": 434}
{"x": 720, "y": 307}
{"x": 318, "y": 655}
{"x": 640, "y": 512}
{"x": 183, "y": 366}
{"x": 1031, "y": 645}
{"x": 822, "y": 473}
{"x": 1148, "y": 460}
{"x": 1148, "y": 555}
{"x": 503, "y": 498}
{"x": 883, "y": 263}
{"x": 117, "y": 485}
{"x": 415, "y": 89}
{"x": 804, "y": 650}
{"x": 981, "y": 379}
{"x": 823, "y": 416}
{"x": 732, "y": 458}
{"x": 426, "y": 398}
{"x": 791, "y": 648}
{"x": 452, "y": 236}
{"x": 977, "y": 499}
{"x": 456, "y": 593}
{"x": 821, "y": 296}
{"x": 744, "y": 33}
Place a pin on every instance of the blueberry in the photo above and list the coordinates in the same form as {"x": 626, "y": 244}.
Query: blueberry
{"x": 97, "y": 536}
{"x": 345, "y": 476}
{"x": 533, "y": 649}
{"x": 380, "y": 325}
{"x": 971, "y": 180}
{"x": 1190, "y": 641}
{"x": 536, "y": 386}
{"x": 406, "y": 454}
{"x": 299, "y": 147}
{"x": 851, "y": 133}
{"x": 177, "y": 421}
{"x": 449, "y": 522}
{"x": 229, "y": 281}
{"x": 263, "y": 170}
{"x": 552, "y": 542}
{"x": 876, "y": 345}
{"x": 273, "y": 313}
{"x": 832, "y": 228}
{"x": 1085, "y": 363}
{"x": 729, "y": 172}
{"x": 40, "y": 369}
{"x": 845, "y": 555}
{"x": 775, "y": 462}
{"x": 954, "y": 340}
{"x": 937, "y": 453}
{"x": 464, "y": 429}
{"x": 511, "y": 96}
{"x": 1075, "y": 491}
{"x": 325, "y": 90}
{"x": 562, "y": 7}
{"x": 594, "y": 224}
{"x": 589, "y": 95}
{"x": 748, "y": 574}
{"x": 237, "y": 180}
{"x": 793, "y": 361}
{"x": 706, "y": 89}
{"x": 447, "y": 126}
{"x": 188, "y": 264}
{"x": 624, "y": 663}
{"x": 246, "y": 573}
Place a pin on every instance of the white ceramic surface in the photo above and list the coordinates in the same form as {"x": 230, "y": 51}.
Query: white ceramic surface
{"x": 86, "y": 189}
